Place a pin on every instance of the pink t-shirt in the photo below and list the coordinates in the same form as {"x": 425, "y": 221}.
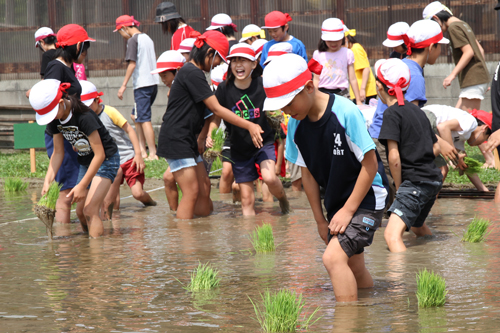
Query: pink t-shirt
{"x": 334, "y": 74}
{"x": 79, "y": 71}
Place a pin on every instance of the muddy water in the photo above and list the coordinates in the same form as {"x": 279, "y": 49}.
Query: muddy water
{"x": 130, "y": 279}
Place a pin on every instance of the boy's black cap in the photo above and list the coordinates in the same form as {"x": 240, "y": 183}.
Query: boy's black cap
{"x": 166, "y": 11}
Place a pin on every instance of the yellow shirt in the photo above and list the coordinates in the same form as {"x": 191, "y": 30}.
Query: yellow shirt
{"x": 361, "y": 62}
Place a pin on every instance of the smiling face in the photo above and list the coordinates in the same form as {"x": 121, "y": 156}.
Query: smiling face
{"x": 334, "y": 46}
{"x": 278, "y": 34}
{"x": 167, "y": 78}
{"x": 300, "y": 105}
{"x": 242, "y": 67}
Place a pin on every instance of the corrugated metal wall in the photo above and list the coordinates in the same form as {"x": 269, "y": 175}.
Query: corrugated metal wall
{"x": 19, "y": 19}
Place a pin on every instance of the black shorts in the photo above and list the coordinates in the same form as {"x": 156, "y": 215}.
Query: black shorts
{"x": 359, "y": 233}
{"x": 226, "y": 155}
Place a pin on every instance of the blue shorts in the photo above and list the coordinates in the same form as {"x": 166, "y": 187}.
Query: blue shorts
{"x": 68, "y": 172}
{"x": 144, "y": 97}
{"x": 245, "y": 171}
{"x": 182, "y": 163}
{"x": 108, "y": 169}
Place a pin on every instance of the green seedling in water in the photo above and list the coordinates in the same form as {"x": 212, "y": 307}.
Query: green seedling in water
{"x": 204, "y": 277}
{"x": 218, "y": 138}
{"x": 431, "y": 289}
{"x": 281, "y": 312}
{"x": 262, "y": 239}
{"x": 46, "y": 207}
{"x": 12, "y": 185}
{"x": 474, "y": 166}
{"x": 476, "y": 231}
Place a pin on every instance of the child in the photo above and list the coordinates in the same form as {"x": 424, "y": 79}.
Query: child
{"x": 172, "y": 22}
{"x": 184, "y": 119}
{"x": 337, "y": 61}
{"x": 186, "y": 46}
{"x": 141, "y": 60}
{"x": 68, "y": 119}
{"x": 411, "y": 149}
{"x": 277, "y": 27}
{"x": 224, "y": 24}
{"x": 258, "y": 46}
{"x": 251, "y": 33}
{"x": 243, "y": 93}
{"x": 396, "y": 39}
{"x": 278, "y": 50}
{"x": 45, "y": 39}
{"x": 345, "y": 164}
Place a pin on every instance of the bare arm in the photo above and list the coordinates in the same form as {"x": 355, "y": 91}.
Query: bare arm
{"x": 311, "y": 188}
{"x": 354, "y": 84}
{"x": 55, "y": 161}
{"x": 138, "y": 160}
{"x": 364, "y": 82}
{"x": 279, "y": 158}
{"x": 394, "y": 162}
{"x": 128, "y": 75}
{"x": 202, "y": 138}
{"x": 467, "y": 55}
{"x": 480, "y": 48}
{"x": 436, "y": 148}
{"x": 446, "y": 127}
{"x": 214, "y": 123}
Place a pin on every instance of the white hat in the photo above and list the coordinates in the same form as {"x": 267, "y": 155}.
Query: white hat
{"x": 169, "y": 60}
{"x": 217, "y": 75}
{"x": 396, "y": 34}
{"x": 257, "y": 46}
{"x": 89, "y": 93}
{"x": 332, "y": 29}
{"x": 423, "y": 33}
{"x": 283, "y": 80}
{"x": 242, "y": 50}
{"x": 395, "y": 74}
{"x": 186, "y": 45}
{"x": 277, "y": 50}
{"x": 45, "y": 97}
{"x": 43, "y": 33}
{"x": 221, "y": 20}
{"x": 251, "y": 30}
{"x": 433, "y": 8}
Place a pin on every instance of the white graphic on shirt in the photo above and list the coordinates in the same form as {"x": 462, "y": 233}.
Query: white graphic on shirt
{"x": 496, "y": 72}
{"x": 78, "y": 139}
{"x": 338, "y": 142}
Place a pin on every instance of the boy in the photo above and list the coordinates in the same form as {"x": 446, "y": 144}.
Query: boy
{"x": 131, "y": 162}
{"x": 337, "y": 153}
{"x": 411, "y": 149}
{"x": 141, "y": 60}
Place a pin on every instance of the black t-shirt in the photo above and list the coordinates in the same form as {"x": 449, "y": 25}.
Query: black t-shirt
{"x": 184, "y": 117}
{"x": 411, "y": 129}
{"x": 247, "y": 104}
{"x": 495, "y": 101}
{"x": 59, "y": 71}
{"x": 397, "y": 55}
{"x": 76, "y": 130}
{"x": 47, "y": 57}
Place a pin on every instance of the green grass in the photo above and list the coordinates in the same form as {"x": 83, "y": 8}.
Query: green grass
{"x": 204, "y": 277}
{"x": 476, "y": 231}
{"x": 281, "y": 312}
{"x": 49, "y": 199}
{"x": 156, "y": 169}
{"x": 487, "y": 176}
{"x": 262, "y": 239}
{"x": 431, "y": 289}
{"x": 17, "y": 164}
{"x": 12, "y": 185}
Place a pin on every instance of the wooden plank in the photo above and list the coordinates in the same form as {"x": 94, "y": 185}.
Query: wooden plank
{"x": 29, "y": 136}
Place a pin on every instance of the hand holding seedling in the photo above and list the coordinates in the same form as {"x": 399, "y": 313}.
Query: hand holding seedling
{"x": 449, "y": 152}
{"x": 340, "y": 221}
{"x": 461, "y": 164}
{"x": 138, "y": 161}
{"x": 78, "y": 192}
{"x": 209, "y": 142}
{"x": 45, "y": 188}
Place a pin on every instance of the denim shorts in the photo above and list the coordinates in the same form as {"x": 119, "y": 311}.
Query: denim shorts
{"x": 144, "y": 97}
{"x": 414, "y": 201}
{"x": 245, "y": 171}
{"x": 108, "y": 169}
{"x": 68, "y": 172}
{"x": 182, "y": 163}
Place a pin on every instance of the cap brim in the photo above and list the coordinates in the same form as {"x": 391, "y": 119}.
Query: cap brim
{"x": 444, "y": 41}
{"x": 213, "y": 28}
{"x": 164, "y": 18}
{"x": 90, "y": 40}
{"x": 333, "y": 36}
{"x": 159, "y": 70}
{"x": 184, "y": 51}
{"x": 243, "y": 55}
{"x": 264, "y": 27}
{"x": 88, "y": 102}
{"x": 392, "y": 43}
{"x": 278, "y": 103}
{"x": 48, "y": 117}
{"x": 243, "y": 39}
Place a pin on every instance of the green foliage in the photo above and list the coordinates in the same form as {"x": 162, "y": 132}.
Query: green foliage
{"x": 179, "y": 191}
{"x": 262, "y": 239}
{"x": 49, "y": 199}
{"x": 476, "y": 231}
{"x": 18, "y": 165}
{"x": 12, "y": 185}
{"x": 431, "y": 289}
{"x": 281, "y": 312}
{"x": 474, "y": 166}
{"x": 204, "y": 277}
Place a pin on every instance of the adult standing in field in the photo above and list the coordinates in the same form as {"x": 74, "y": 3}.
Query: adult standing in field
{"x": 172, "y": 22}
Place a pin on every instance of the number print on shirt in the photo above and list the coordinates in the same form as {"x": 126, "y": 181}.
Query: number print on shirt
{"x": 77, "y": 139}
{"x": 245, "y": 109}
{"x": 338, "y": 143}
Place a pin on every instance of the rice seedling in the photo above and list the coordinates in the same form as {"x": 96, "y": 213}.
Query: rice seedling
{"x": 204, "y": 277}
{"x": 262, "y": 239}
{"x": 476, "y": 231}
{"x": 179, "y": 191}
{"x": 275, "y": 118}
{"x": 218, "y": 138}
{"x": 46, "y": 207}
{"x": 474, "y": 166}
{"x": 12, "y": 185}
{"x": 431, "y": 289}
{"x": 281, "y": 312}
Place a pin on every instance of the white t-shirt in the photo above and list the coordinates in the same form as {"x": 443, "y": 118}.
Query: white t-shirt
{"x": 334, "y": 74}
{"x": 141, "y": 49}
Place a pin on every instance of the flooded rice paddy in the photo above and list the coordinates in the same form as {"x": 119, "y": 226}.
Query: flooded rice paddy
{"x": 131, "y": 279}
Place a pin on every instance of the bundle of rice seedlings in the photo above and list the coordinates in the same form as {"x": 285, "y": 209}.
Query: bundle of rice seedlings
{"x": 474, "y": 166}
{"x": 476, "y": 231}
{"x": 275, "y": 118}
{"x": 431, "y": 289}
{"x": 204, "y": 277}
{"x": 262, "y": 239}
{"x": 281, "y": 312}
{"x": 46, "y": 207}
{"x": 12, "y": 185}
{"x": 218, "y": 137}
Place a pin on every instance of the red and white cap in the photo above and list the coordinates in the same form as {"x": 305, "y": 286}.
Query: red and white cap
{"x": 396, "y": 34}
{"x": 485, "y": 117}
{"x": 218, "y": 74}
{"x": 169, "y": 60}
{"x": 125, "y": 21}
{"x": 72, "y": 34}
{"x": 277, "y": 50}
{"x": 89, "y": 92}
{"x": 423, "y": 33}
{"x": 43, "y": 33}
{"x": 251, "y": 30}
{"x": 221, "y": 20}
{"x": 258, "y": 46}
{"x": 242, "y": 50}
{"x": 45, "y": 97}
{"x": 186, "y": 45}
{"x": 276, "y": 19}
{"x": 395, "y": 74}
{"x": 433, "y": 8}
{"x": 283, "y": 80}
{"x": 216, "y": 40}
{"x": 332, "y": 29}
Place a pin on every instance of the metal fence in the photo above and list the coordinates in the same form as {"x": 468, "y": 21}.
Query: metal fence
{"x": 19, "y": 19}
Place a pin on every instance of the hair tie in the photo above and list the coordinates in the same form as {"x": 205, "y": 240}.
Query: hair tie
{"x": 200, "y": 40}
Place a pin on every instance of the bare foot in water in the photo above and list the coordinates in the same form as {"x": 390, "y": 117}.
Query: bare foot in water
{"x": 284, "y": 205}
{"x": 150, "y": 203}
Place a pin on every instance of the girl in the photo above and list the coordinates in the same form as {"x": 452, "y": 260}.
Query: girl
{"x": 224, "y": 24}
{"x": 69, "y": 119}
{"x": 396, "y": 39}
{"x": 184, "y": 119}
{"x": 243, "y": 93}
{"x": 251, "y": 33}
{"x": 171, "y": 22}
{"x": 337, "y": 61}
